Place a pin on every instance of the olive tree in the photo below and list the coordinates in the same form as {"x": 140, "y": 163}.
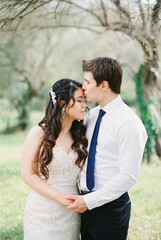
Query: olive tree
{"x": 139, "y": 19}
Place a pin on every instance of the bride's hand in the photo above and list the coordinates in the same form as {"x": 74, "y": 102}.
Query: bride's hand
{"x": 62, "y": 199}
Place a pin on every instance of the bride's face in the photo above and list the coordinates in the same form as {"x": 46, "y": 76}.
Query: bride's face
{"x": 77, "y": 111}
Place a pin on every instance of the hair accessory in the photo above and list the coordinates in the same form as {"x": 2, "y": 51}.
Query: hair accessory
{"x": 53, "y": 96}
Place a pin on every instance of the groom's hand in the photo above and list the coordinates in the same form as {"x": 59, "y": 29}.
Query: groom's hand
{"x": 78, "y": 203}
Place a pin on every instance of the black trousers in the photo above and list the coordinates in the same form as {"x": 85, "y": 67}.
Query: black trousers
{"x": 108, "y": 222}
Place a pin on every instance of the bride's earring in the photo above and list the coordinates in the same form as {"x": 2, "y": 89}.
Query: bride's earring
{"x": 63, "y": 113}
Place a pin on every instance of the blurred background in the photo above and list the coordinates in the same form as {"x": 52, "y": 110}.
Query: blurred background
{"x": 42, "y": 41}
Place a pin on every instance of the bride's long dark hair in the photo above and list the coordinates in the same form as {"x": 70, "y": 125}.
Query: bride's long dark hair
{"x": 52, "y": 125}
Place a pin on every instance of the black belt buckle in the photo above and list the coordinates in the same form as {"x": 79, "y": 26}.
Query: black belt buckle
{"x": 83, "y": 192}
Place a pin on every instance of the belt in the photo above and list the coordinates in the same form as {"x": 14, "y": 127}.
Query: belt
{"x": 84, "y": 192}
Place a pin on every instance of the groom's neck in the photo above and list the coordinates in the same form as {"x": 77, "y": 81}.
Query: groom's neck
{"x": 107, "y": 98}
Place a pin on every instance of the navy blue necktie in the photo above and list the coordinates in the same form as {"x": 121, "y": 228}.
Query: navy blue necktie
{"x": 92, "y": 152}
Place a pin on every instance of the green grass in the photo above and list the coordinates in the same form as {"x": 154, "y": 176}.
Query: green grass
{"x": 13, "y": 191}
{"x": 145, "y": 221}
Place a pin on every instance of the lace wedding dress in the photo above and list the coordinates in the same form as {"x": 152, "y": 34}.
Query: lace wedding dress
{"x": 46, "y": 219}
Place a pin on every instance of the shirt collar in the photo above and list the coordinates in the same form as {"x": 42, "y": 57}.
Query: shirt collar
{"x": 108, "y": 108}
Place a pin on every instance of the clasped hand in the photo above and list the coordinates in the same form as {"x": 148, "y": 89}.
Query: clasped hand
{"x": 76, "y": 203}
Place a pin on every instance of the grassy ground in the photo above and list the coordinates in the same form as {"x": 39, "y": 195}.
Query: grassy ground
{"x": 145, "y": 221}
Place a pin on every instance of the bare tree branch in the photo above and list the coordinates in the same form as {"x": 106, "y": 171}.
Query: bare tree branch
{"x": 123, "y": 24}
{"x": 18, "y": 15}
{"x": 67, "y": 26}
{"x": 35, "y": 8}
{"x": 57, "y": 8}
{"x": 19, "y": 21}
{"x": 121, "y": 9}
{"x": 86, "y": 10}
{"x": 104, "y": 12}
{"x": 156, "y": 11}
{"x": 10, "y": 19}
{"x": 142, "y": 14}
{"x": 23, "y": 10}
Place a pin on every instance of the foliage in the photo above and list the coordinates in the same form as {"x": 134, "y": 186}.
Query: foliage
{"x": 14, "y": 108}
{"x": 139, "y": 20}
{"x": 7, "y": 116}
{"x": 19, "y": 97}
{"x": 58, "y": 66}
{"x": 39, "y": 102}
{"x": 22, "y": 77}
{"x": 147, "y": 115}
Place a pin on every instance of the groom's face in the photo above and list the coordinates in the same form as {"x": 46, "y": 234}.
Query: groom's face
{"x": 92, "y": 92}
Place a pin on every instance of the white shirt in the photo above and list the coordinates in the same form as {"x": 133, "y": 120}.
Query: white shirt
{"x": 120, "y": 146}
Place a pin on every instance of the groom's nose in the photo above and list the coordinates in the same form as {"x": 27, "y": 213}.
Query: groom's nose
{"x": 84, "y": 86}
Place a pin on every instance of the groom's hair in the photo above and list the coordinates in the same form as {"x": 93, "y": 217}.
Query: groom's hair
{"x": 105, "y": 69}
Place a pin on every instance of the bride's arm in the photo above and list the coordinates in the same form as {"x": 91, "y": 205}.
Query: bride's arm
{"x": 29, "y": 167}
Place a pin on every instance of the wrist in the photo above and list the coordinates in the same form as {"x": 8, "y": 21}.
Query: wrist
{"x": 57, "y": 196}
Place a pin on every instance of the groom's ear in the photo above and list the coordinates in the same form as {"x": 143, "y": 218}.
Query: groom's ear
{"x": 104, "y": 85}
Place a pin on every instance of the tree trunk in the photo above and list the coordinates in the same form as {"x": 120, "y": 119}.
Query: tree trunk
{"x": 152, "y": 93}
{"x": 23, "y": 117}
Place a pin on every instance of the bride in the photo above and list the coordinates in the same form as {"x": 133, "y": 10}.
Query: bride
{"x": 53, "y": 155}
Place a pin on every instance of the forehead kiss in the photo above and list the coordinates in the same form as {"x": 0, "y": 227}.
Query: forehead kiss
{"x": 79, "y": 94}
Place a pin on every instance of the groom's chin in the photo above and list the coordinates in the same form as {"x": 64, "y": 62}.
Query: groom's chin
{"x": 90, "y": 100}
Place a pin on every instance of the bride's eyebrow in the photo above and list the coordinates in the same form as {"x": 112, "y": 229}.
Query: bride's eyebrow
{"x": 79, "y": 97}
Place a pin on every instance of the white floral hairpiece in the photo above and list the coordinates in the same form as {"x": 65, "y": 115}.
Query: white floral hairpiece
{"x": 53, "y": 96}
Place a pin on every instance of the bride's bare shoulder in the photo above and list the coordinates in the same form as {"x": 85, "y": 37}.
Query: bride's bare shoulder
{"x": 37, "y": 132}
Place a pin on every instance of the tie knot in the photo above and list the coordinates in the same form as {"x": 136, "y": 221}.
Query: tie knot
{"x": 101, "y": 113}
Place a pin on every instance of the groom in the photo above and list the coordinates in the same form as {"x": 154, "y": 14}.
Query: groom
{"x": 117, "y": 139}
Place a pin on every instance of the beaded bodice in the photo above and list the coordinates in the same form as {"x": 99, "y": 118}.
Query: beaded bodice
{"x": 63, "y": 173}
